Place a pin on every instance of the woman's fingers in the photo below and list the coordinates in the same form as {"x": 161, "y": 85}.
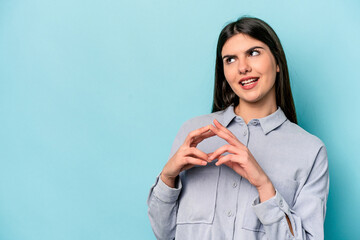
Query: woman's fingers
{"x": 188, "y": 155}
{"x": 223, "y": 135}
{"x": 220, "y": 126}
{"x": 194, "y": 134}
{"x": 194, "y": 161}
{"x": 207, "y": 134}
{"x": 222, "y": 150}
{"x": 229, "y": 160}
{"x": 196, "y": 140}
{"x": 224, "y": 159}
{"x": 194, "y": 152}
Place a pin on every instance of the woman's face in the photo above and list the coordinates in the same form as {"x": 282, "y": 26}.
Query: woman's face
{"x": 250, "y": 69}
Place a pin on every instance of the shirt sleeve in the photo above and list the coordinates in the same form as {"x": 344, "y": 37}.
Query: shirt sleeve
{"x": 163, "y": 200}
{"x": 307, "y": 216}
{"x": 163, "y": 204}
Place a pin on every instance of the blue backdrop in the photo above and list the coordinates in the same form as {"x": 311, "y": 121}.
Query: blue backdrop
{"x": 92, "y": 94}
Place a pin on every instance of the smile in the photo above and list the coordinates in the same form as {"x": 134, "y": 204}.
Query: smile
{"x": 249, "y": 81}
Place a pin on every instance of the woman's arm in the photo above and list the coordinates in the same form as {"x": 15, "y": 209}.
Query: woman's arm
{"x": 163, "y": 205}
{"x": 307, "y": 216}
{"x": 268, "y": 191}
{"x": 306, "y": 219}
{"x": 163, "y": 197}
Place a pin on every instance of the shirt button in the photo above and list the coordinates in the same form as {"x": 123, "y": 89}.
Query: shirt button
{"x": 234, "y": 185}
{"x": 229, "y": 213}
{"x": 245, "y": 132}
{"x": 281, "y": 204}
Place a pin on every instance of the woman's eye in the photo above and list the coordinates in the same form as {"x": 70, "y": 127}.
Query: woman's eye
{"x": 254, "y": 53}
{"x": 230, "y": 60}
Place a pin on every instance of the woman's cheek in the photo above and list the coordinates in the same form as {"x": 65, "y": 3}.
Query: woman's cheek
{"x": 268, "y": 66}
{"x": 229, "y": 73}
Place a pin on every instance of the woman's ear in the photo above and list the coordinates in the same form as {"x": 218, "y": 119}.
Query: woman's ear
{"x": 277, "y": 68}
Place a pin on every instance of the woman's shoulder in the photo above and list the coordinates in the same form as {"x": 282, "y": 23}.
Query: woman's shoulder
{"x": 201, "y": 121}
{"x": 293, "y": 130}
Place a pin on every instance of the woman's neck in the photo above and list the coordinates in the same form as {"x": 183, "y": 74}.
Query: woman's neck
{"x": 257, "y": 110}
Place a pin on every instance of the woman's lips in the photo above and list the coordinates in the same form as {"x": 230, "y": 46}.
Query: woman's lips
{"x": 249, "y": 82}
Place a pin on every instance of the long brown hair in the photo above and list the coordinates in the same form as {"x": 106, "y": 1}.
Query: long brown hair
{"x": 256, "y": 28}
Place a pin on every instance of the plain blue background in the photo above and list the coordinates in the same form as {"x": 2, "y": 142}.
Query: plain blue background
{"x": 92, "y": 94}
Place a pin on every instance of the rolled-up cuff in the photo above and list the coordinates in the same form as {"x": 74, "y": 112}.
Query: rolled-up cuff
{"x": 165, "y": 193}
{"x": 272, "y": 210}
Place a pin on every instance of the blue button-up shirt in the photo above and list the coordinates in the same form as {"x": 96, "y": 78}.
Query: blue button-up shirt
{"x": 214, "y": 202}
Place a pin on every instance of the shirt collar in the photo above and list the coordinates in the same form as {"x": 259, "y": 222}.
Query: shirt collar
{"x": 228, "y": 115}
{"x": 267, "y": 123}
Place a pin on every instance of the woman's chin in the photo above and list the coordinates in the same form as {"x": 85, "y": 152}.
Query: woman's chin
{"x": 250, "y": 99}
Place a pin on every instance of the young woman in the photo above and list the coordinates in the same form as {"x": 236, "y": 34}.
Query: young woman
{"x": 247, "y": 170}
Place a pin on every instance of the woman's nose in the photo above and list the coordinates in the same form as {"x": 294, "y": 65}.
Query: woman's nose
{"x": 244, "y": 66}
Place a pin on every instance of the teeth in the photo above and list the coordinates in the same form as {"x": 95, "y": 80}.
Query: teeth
{"x": 248, "y": 81}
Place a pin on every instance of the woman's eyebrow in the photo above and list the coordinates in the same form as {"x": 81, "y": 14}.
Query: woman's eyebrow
{"x": 228, "y": 56}
{"x": 247, "y": 51}
{"x": 252, "y": 49}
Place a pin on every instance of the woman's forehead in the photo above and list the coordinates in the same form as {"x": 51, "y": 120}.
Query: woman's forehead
{"x": 241, "y": 43}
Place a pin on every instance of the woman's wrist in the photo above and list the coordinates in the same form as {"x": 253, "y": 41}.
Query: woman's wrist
{"x": 266, "y": 191}
{"x": 169, "y": 181}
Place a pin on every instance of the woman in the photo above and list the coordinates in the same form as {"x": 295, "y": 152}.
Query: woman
{"x": 247, "y": 170}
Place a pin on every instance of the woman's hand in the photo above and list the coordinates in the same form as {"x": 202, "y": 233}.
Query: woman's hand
{"x": 241, "y": 161}
{"x": 186, "y": 156}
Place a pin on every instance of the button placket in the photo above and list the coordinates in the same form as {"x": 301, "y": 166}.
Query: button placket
{"x": 246, "y": 134}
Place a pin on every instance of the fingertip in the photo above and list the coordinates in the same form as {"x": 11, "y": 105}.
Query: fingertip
{"x": 206, "y": 128}
{"x": 217, "y": 124}
{"x": 212, "y": 127}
